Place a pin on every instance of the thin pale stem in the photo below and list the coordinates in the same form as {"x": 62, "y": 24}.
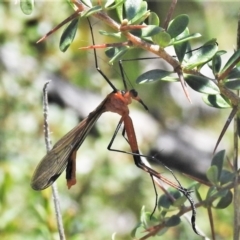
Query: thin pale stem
{"x": 48, "y": 146}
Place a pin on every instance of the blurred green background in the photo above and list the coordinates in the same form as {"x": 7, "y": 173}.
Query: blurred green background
{"x": 110, "y": 191}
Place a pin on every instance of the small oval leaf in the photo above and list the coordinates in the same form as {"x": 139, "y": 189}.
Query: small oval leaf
{"x": 216, "y": 101}
{"x": 217, "y": 62}
{"x": 27, "y": 6}
{"x": 131, "y": 8}
{"x": 226, "y": 177}
{"x": 212, "y": 174}
{"x": 218, "y": 161}
{"x": 202, "y": 55}
{"x": 235, "y": 57}
{"x": 163, "y": 39}
{"x": 141, "y": 15}
{"x": 164, "y": 202}
{"x": 234, "y": 74}
{"x": 225, "y": 201}
{"x": 153, "y": 19}
{"x": 201, "y": 84}
{"x": 68, "y": 35}
{"x": 234, "y": 84}
{"x": 178, "y": 25}
{"x": 148, "y": 31}
{"x": 181, "y": 48}
{"x": 152, "y": 76}
{"x": 173, "y": 221}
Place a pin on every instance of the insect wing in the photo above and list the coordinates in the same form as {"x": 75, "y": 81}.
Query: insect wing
{"x": 56, "y": 160}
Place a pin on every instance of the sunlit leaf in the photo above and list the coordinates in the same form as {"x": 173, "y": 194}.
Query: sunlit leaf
{"x": 152, "y": 76}
{"x": 162, "y": 39}
{"x": 68, "y": 35}
{"x": 235, "y": 57}
{"x": 27, "y": 6}
{"x": 141, "y": 15}
{"x": 87, "y": 3}
{"x": 131, "y": 8}
{"x": 116, "y": 53}
{"x": 216, "y": 101}
{"x": 212, "y": 174}
{"x": 202, "y": 55}
{"x": 109, "y": 4}
{"x": 148, "y": 31}
{"x": 234, "y": 84}
{"x": 153, "y": 19}
{"x": 201, "y": 84}
{"x": 178, "y": 25}
{"x": 217, "y": 62}
{"x": 119, "y": 10}
{"x": 234, "y": 74}
{"x": 91, "y": 11}
{"x": 117, "y": 35}
{"x": 181, "y": 48}
{"x": 186, "y": 38}
{"x": 217, "y": 161}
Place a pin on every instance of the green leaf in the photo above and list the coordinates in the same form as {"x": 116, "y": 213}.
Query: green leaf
{"x": 179, "y": 201}
{"x": 119, "y": 10}
{"x": 234, "y": 74}
{"x": 186, "y": 38}
{"x": 211, "y": 191}
{"x": 216, "y": 101}
{"x": 91, "y": 11}
{"x": 131, "y": 8}
{"x": 217, "y": 62}
{"x": 181, "y": 48}
{"x": 116, "y": 53}
{"x": 231, "y": 60}
{"x": 146, "y": 219}
{"x": 109, "y": 4}
{"x": 164, "y": 202}
{"x": 153, "y": 19}
{"x": 87, "y": 3}
{"x": 173, "y": 221}
{"x": 234, "y": 84}
{"x": 197, "y": 192}
{"x": 152, "y": 76}
{"x": 202, "y": 55}
{"x": 27, "y": 6}
{"x": 212, "y": 174}
{"x": 141, "y": 14}
{"x": 178, "y": 25}
{"x": 68, "y": 35}
{"x": 117, "y": 35}
{"x": 225, "y": 201}
{"x": 162, "y": 39}
{"x": 201, "y": 84}
{"x": 226, "y": 177}
{"x": 147, "y": 31}
{"x": 218, "y": 162}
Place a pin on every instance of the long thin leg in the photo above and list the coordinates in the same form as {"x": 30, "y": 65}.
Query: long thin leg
{"x": 96, "y": 61}
{"x": 137, "y": 159}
